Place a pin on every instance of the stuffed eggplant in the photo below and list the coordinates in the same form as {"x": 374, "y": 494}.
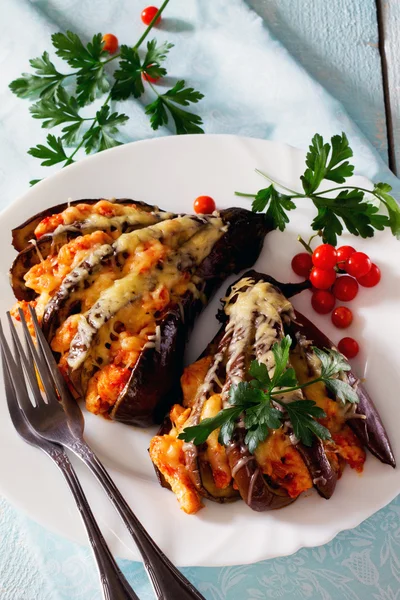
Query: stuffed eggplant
{"x": 257, "y": 318}
{"x": 118, "y": 288}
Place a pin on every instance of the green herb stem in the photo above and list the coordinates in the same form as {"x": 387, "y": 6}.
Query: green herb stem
{"x": 145, "y": 33}
{"x": 291, "y": 192}
{"x": 293, "y": 389}
{"x": 243, "y": 195}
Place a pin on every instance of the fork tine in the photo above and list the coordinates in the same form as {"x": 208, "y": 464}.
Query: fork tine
{"x": 27, "y": 360}
{"x": 17, "y": 382}
{"x": 61, "y": 386}
{"x": 44, "y": 372}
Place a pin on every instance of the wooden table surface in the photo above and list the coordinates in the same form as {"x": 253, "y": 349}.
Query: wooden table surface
{"x": 351, "y": 47}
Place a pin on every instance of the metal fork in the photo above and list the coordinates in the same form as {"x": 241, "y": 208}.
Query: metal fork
{"x": 62, "y": 422}
{"x": 114, "y": 584}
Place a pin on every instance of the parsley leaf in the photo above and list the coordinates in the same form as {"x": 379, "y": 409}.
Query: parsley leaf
{"x": 91, "y": 79}
{"x": 342, "y": 390}
{"x": 167, "y": 104}
{"x": 332, "y": 363}
{"x": 61, "y": 108}
{"x": 337, "y": 169}
{"x": 155, "y": 55}
{"x": 255, "y": 435}
{"x": 280, "y": 350}
{"x": 101, "y": 136}
{"x": 129, "y": 75}
{"x": 359, "y": 216}
{"x": 277, "y": 205}
{"x": 70, "y": 48}
{"x": 90, "y": 84}
{"x": 260, "y": 374}
{"x": 263, "y": 414}
{"x": 244, "y": 393}
{"x": 381, "y": 190}
{"x": 44, "y": 83}
{"x": 198, "y": 434}
{"x": 301, "y": 413}
{"x": 51, "y": 154}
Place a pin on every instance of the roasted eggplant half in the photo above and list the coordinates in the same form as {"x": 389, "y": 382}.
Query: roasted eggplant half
{"x": 47, "y": 221}
{"x": 45, "y": 233}
{"x": 116, "y": 304}
{"x": 256, "y": 317}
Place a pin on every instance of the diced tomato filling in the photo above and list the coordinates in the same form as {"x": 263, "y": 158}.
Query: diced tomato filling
{"x": 350, "y": 448}
{"x": 48, "y": 225}
{"x": 105, "y": 387}
{"x": 47, "y": 275}
{"x": 167, "y": 454}
{"x": 79, "y": 212}
{"x": 283, "y": 463}
{"x": 24, "y": 306}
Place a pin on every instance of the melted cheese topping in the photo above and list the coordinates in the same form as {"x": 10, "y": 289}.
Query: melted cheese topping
{"x": 216, "y": 453}
{"x": 104, "y": 215}
{"x": 133, "y": 287}
{"x": 258, "y": 309}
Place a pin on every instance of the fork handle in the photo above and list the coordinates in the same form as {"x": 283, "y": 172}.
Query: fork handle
{"x": 168, "y": 583}
{"x": 114, "y": 584}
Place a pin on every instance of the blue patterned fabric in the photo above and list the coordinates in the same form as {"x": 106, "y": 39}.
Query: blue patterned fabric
{"x": 253, "y": 87}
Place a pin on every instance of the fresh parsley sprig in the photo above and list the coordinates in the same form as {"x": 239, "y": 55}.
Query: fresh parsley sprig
{"x": 89, "y": 79}
{"x": 349, "y": 208}
{"x": 255, "y": 401}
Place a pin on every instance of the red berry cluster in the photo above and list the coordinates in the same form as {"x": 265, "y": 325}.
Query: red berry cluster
{"x": 322, "y": 267}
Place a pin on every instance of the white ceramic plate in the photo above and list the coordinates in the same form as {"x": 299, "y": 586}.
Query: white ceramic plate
{"x": 172, "y": 172}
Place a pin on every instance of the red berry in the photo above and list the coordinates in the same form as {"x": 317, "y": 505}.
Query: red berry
{"x": 204, "y": 205}
{"x": 324, "y": 257}
{"x": 148, "y": 15}
{"x": 348, "y": 347}
{"x": 322, "y": 301}
{"x": 343, "y": 253}
{"x": 358, "y": 264}
{"x": 149, "y": 78}
{"x": 345, "y": 288}
{"x": 321, "y": 278}
{"x": 342, "y": 317}
{"x": 302, "y": 264}
{"x": 372, "y": 278}
{"x": 110, "y": 43}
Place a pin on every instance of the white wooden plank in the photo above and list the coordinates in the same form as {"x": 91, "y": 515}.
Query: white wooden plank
{"x": 391, "y": 29}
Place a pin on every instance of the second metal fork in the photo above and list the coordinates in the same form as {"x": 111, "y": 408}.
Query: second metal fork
{"x": 62, "y": 422}
{"x": 114, "y": 585}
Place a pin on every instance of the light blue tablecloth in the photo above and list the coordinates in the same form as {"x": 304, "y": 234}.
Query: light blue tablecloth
{"x": 253, "y": 87}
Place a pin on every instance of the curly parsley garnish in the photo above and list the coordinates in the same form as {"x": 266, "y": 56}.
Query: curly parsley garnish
{"x": 255, "y": 401}
{"x": 349, "y": 208}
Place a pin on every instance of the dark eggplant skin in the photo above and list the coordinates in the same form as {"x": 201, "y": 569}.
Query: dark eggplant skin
{"x": 324, "y": 477}
{"x": 147, "y": 396}
{"x": 155, "y": 373}
{"x": 370, "y": 431}
{"x": 22, "y": 234}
